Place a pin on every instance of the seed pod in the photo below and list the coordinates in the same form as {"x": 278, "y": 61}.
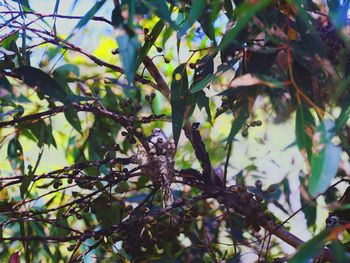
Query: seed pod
{"x": 245, "y": 133}
{"x": 258, "y": 184}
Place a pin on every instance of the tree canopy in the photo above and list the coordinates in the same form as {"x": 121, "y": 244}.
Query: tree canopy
{"x": 174, "y": 130}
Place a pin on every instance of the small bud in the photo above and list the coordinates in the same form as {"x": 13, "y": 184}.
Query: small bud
{"x": 70, "y": 248}
{"x": 139, "y": 130}
{"x": 159, "y": 49}
{"x": 192, "y": 65}
{"x": 166, "y": 60}
{"x": 56, "y": 184}
{"x": 115, "y": 51}
{"x": 195, "y": 125}
{"x": 245, "y": 133}
{"x": 146, "y": 30}
{"x": 258, "y": 184}
{"x": 258, "y": 123}
{"x": 116, "y": 147}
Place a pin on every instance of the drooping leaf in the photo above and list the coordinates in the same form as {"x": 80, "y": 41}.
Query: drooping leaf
{"x": 208, "y": 17}
{"x": 46, "y": 84}
{"x": 344, "y": 114}
{"x": 86, "y": 18}
{"x": 5, "y": 87}
{"x": 325, "y": 159}
{"x": 286, "y": 191}
{"x": 228, "y": 8}
{"x": 43, "y": 133}
{"x": 27, "y": 179}
{"x": 205, "y": 76}
{"x": 179, "y": 92}
{"x": 304, "y": 127}
{"x": 309, "y": 209}
{"x": 203, "y": 102}
{"x": 117, "y": 18}
{"x": 200, "y": 85}
{"x": 157, "y": 29}
{"x": 244, "y": 13}
{"x": 339, "y": 253}
{"x": 310, "y": 249}
{"x": 5, "y": 43}
{"x": 15, "y": 155}
{"x": 67, "y": 70}
{"x": 195, "y": 12}
{"x": 161, "y": 9}
{"x": 128, "y": 49}
{"x": 238, "y": 122}
{"x": 72, "y": 117}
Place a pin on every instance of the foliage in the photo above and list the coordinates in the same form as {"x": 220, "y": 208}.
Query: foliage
{"x": 86, "y": 130}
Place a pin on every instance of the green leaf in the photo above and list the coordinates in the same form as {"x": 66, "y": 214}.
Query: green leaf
{"x": 68, "y": 69}
{"x": 72, "y": 117}
{"x": 179, "y": 92}
{"x": 195, "y": 12}
{"x": 339, "y": 252}
{"x": 166, "y": 35}
{"x": 228, "y": 8}
{"x": 15, "y": 155}
{"x": 311, "y": 249}
{"x": 203, "y": 102}
{"x": 238, "y": 122}
{"x": 25, "y": 5}
{"x": 202, "y": 84}
{"x": 27, "y": 179}
{"x": 345, "y": 108}
{"x": 325, "y": 160}
{"x": 304, "y": 125}
{"x": 244, "y": 12}
{"x": 309, "y": 209}
{"x": 117, "y": 18}
{"x": 43, "y": 133}
{"x": 47, "y": 85}
{"x": 86, "y": 18}
{"x": 83, "y": 21}
{"x": 208, "y": 17}
{"x": 107, "y": 210}
{"x": 5, "y": 86}
{"x": 157, "y": 29}
{"x": 161, "y": 9}
{"x": 205, "y": 76}
{"x": 128, "y": 49}
{"x": 7, "y": 40}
